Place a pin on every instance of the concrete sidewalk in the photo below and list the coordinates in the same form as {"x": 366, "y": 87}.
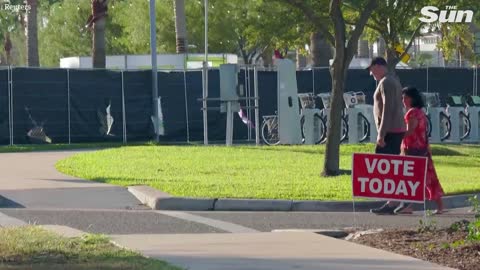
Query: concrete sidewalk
{"x": 262, "y": 251}
{"x": 31, "y": 180}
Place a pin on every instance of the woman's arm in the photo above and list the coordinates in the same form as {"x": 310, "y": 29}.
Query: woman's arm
{"x": 411, "y": 125}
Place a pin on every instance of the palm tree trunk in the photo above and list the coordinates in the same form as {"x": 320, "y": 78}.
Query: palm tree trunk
{"x": 31, "y": 32}
{"x": 7, "y": 46}
{"x": 180, "y": 26}
{"x": 301, "y": 59}
{"x": 321, "y": 50}
{"x": 99, "y": 54}
{"x": 363, "y": 50}
{"x": 381, "y": 47}
{"x": 98, "y": 21}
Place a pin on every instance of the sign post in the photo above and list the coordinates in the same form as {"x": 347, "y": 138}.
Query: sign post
{"x": 389, "y": 177}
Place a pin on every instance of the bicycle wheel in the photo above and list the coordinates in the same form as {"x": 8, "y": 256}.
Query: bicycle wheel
{"x": 270, "y": 131}
{"x": 467, "y": 125}
{"x": 445, "y": 126}
{"x": 302, "y": 127}
{"x": 429, "y": 126}
{"x": 365, "y": 128}
{"x": 345, "y": 128}
{"x": 320, "y": 128}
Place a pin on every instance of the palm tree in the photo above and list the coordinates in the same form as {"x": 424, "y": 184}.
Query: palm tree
{"x": 321, "y": 50}
{"x": 31, "y": 33}
{"x": 97, "y": 20}
{"x": 7, "y": 46}
{"x": 180, "y": 26}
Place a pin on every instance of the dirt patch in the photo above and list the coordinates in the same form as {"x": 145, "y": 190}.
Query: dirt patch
{"x": 447, "y": 247}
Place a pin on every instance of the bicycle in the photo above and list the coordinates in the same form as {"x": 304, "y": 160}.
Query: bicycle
{"x": 325, "y": 98}
{"x": 432, "y": 100}
{"x": 357, "y": 99}
{"x": 270, "y": 132}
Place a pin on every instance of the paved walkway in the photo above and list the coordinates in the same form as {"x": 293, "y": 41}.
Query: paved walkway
{"x": 262, "y": 251}
{"x": 30, "y": 180}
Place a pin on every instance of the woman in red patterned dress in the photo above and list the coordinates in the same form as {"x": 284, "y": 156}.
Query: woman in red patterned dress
{"x": 415, "y": 143}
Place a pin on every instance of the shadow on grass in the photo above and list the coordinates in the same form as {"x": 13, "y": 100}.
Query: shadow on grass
{"x": 285, "y": 148}
{"x": 445, "y": 151}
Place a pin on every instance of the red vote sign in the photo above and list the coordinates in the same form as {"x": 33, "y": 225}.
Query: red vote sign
{"x": 392, "y": 177}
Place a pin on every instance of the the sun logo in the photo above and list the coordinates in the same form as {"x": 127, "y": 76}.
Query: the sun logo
{"x": 450, "y": 14}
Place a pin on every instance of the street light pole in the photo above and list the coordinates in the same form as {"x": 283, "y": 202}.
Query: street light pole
{"x": 205, "y": 79}
{"x": 153, "y": 49}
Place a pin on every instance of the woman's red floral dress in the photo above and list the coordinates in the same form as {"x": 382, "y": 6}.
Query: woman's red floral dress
{"x": 416, "y": 144}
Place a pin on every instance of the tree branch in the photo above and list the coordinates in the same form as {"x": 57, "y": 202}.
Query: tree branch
{"x": 414, "y": 35}
{"x": 339, "y": 24}
{"x": 309, "y": 13}
{"x": 359, "y": 26}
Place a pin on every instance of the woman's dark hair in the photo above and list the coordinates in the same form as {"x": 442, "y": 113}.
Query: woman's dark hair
{"x": 415, "y": 95}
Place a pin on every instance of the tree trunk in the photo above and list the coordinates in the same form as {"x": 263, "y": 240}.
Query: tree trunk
{"x": 320, "y": 49}
{"x": 301, "y": 60}
{"x": 267, "y": 58}
{"x": 99, "y": 55}
{"x": 31, "y": 32}
{"x": 363, "y": 49}
{"x": 331, "y": 164}
{"x": 7, "y": 46}
{"x": 392, "y": 60}
{"x": 180, "y": 26}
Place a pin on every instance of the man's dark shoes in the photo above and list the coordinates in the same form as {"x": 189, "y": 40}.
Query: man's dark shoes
{"x": 384, "y": 210}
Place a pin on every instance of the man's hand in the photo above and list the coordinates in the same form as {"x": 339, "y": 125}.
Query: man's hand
{"x": 380, "y": 141}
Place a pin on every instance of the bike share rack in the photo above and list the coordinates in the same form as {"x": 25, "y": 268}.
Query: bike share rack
{"x": 460, "y": 121}
{"x": 325, "y": 112}
{"x": 314, "y": 129}
{"x": 230, "y": 95}
{"x": 439, "y": 125}
{"x": 360, "y": 118}
{"x": 473, "y": 111}
{"x": 285, "y": 126}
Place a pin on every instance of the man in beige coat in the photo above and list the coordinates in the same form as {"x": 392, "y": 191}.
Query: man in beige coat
{"x": 388, "y": 115}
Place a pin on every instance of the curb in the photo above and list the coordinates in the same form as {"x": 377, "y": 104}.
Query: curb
{"x": 159, "y": 200}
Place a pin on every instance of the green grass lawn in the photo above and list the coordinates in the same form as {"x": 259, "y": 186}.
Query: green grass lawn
{"x": 53, "y": 147}
{"x": 281, "y": 172}
{"x": 31, "y": 247}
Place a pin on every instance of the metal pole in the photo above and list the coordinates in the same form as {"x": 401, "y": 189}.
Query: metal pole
{"x": 10, "y": 109}
{"x": 257, "y": 116}
{"x": 427, "y": 79}
{"x": 186, "y": 102}
{"x": 153, "y": 49}
{"x": 205, "y": 79}
{"x": 68, "y": 108}
{"x": 11, "y": 106}
{"x": 124, "y": 112}
{"x": 248, "y": 104}
{"x": 229, "y": 135}
{"x": 313, "y": 80}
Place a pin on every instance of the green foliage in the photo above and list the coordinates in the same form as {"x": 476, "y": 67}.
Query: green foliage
{"x": 474, "y": 226}
{"x": 247, "y": 27}
{"x": 456, "y": 38}
{"x": 428, "y": 224}
{"x": 422, "y": 60}
{"x": 474, "y": 230}
{"x": 62, "y": 31}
